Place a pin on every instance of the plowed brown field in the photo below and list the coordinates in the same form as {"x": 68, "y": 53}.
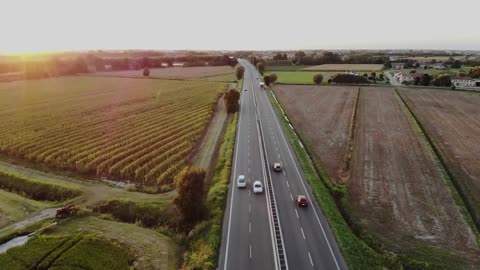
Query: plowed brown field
{"x": 452, "y": 119}
{"x": 172, "y": 72}
{"x": 322, "y": 115}
{"x": 397, "y": 189}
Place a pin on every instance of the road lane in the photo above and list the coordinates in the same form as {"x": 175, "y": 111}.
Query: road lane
{"x": 246, "y": 237}
{"x": 319, "y": 247}
{"x": 247, "y": 240}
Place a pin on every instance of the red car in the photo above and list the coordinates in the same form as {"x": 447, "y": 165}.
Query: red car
{"x": 277, "y": 167}
{"x": 302, "y": 201}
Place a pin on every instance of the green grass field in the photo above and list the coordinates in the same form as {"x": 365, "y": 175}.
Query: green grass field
{"x": 58, "y": 253}
{"x": 286, "y": 68}
{"x": 452, "y": 71}
{"x": 221, "y": 78}
{"x": 14, "y": 207}
{"x": 299, "y": 77}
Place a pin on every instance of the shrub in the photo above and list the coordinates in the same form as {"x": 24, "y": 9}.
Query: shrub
{"x": 150, "y": 215}
{"x": 190, "y": 198}
{"x": 442, "y": 80}
{"x": 239, "y": 70}
{"x": 318, "y": 78}
{"x": 146, "y": 72}
{"x": 266, "y": 79}
{"x": 349, "y": 78}
{"x": 35, "y": 189}
{"x": 273, "y": 78}
{"x": 231, "y": 101}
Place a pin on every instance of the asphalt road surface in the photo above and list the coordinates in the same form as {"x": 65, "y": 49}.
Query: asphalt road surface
{"x": 249, "y": 237}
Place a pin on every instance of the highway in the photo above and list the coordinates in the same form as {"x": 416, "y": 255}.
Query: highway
{"x": 269, "y": 231}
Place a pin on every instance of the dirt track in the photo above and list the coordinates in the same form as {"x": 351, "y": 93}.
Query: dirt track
{"x": 397, "y": 189}
{"x": 322, "y": 115}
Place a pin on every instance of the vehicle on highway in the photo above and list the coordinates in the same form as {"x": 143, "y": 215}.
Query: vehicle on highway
{"x": 245, "y": 90}
{"x": 241, "y": 182}
{"x": 257, "y": 187}
{"x": 277, "y": 167}
{"x": 301, "y": 201}
{"x": 262, "y": 85}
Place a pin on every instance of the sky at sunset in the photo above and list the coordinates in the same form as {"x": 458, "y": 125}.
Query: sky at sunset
{"x": 48, "y": 25}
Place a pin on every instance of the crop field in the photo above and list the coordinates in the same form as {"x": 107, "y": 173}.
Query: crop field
{"x": 128, "y": 129}
{"x": 346, "y": 67}
{"x": 299, "y": 77}
{"x": 172, "y": 72}
{"x": 151, "y": 249}
{"x": 452, "y": 119}
{"x": 395, "y": 174}
{"x": 396, "y": 189}
{"x": 14, "y": 207}
{"x": 221, "y": 78}
{"x": 321, "y": 114}
{"x": 286, "y": 68}
{"x": 77, "y": 252}
{"x": 451, "y": 71}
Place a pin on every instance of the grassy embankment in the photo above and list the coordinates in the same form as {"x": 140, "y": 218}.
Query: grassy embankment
{"x": 205, "y": 240}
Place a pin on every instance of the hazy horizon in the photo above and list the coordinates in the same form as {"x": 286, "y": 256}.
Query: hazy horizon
{"x": 31, "y": 26}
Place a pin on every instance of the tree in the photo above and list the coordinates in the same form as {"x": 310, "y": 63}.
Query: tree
{"x": 190, "y": 198}
{"x": 273, "y": 78}
{"x": 474, "y": 72}
{"x": 387, "y": 63}
{"x": 380, "y": 77}
{"x": 266, "y": 79}
{"x": 317, "y": 79}
{"x": 425, "y": 79}
{"x": 456, "y": 64}
{"x": 239, "y": 72}
{"x": 349, "y": 78}
{"x": 231, "y": 100}
{"x": 442, "y": 80}
{"x": 284, "y": 56}
{"x": 261, "y": 67}
{"x": 146, "y": 62}
{"x": 417, "y": 80}
{"x": 146, "y": 72}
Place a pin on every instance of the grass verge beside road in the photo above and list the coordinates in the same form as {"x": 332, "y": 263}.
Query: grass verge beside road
{"x": 357, "y": 253}
{"x": 205, "y": 240}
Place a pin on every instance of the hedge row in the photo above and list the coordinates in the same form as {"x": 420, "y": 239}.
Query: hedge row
{"x": 35, "y": 189}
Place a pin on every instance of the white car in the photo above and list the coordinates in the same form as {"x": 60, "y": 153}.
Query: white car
{"x": 241, "y": 182}
{"x": 257, "y": 187}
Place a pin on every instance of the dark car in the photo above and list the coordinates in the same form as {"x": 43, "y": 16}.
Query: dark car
{"x": 302, "y": 201}
{"x": 277, "y": 167}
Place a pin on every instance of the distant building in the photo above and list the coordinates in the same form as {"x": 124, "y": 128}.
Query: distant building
{"x": 397, "y": 65}
{"x": 406, "y": 77}
{"x": 439, "y": 66}
{"x": 465, "y": 82}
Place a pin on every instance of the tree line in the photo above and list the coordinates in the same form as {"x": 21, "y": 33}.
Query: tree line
{"x": 51, "y": 66}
